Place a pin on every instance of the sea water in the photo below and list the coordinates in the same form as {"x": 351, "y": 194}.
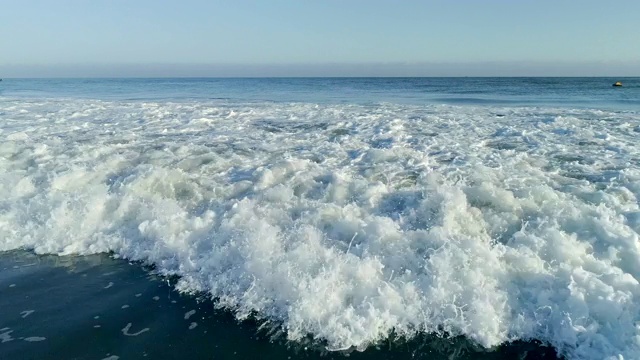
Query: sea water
{"x": 345, "y": 212}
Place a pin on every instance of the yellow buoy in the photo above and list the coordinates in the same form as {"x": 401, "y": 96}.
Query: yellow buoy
{"x": 617, "y": 83}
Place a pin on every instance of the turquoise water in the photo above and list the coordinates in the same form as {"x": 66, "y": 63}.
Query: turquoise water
{"x": 463, "y": 218}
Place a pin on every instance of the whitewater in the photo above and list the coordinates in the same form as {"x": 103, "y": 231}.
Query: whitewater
{"x": 344, "y": 222}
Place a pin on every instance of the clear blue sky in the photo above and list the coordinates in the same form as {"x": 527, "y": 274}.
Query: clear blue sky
{"x": 107, "y": 35}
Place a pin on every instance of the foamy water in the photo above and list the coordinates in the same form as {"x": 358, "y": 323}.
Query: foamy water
{"x": 346, "y": 222}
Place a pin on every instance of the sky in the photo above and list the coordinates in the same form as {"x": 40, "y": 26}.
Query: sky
{"x": 319, "y": 37}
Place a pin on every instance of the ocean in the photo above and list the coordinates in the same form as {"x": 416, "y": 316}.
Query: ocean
{"x": 320, "y": 218}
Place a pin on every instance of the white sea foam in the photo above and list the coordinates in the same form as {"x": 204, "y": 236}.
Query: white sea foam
{"x": 347, "y": 222}
{"x": 5, "y": 335}
{"x": 125, "y": 331}
{"x": 35, "y": 338}
{"x": 189, "y": 314}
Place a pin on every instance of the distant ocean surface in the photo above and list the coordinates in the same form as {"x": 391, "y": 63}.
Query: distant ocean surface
{"x": 320, "y": 218}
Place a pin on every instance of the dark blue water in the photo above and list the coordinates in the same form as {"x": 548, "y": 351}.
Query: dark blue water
{"x": 565, "y": 92}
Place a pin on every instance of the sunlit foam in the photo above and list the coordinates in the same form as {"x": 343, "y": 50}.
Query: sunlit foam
{"x": 348, "y": 222}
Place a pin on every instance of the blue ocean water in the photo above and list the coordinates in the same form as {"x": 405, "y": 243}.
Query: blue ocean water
{"x": 336, "y": 214}
{"x": 578, "y": 92}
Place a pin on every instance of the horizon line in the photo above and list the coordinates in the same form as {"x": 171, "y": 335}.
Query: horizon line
{"x": 319, "y": 77}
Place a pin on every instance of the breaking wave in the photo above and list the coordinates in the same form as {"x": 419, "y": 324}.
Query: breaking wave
{"x": 348, "y": 222}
